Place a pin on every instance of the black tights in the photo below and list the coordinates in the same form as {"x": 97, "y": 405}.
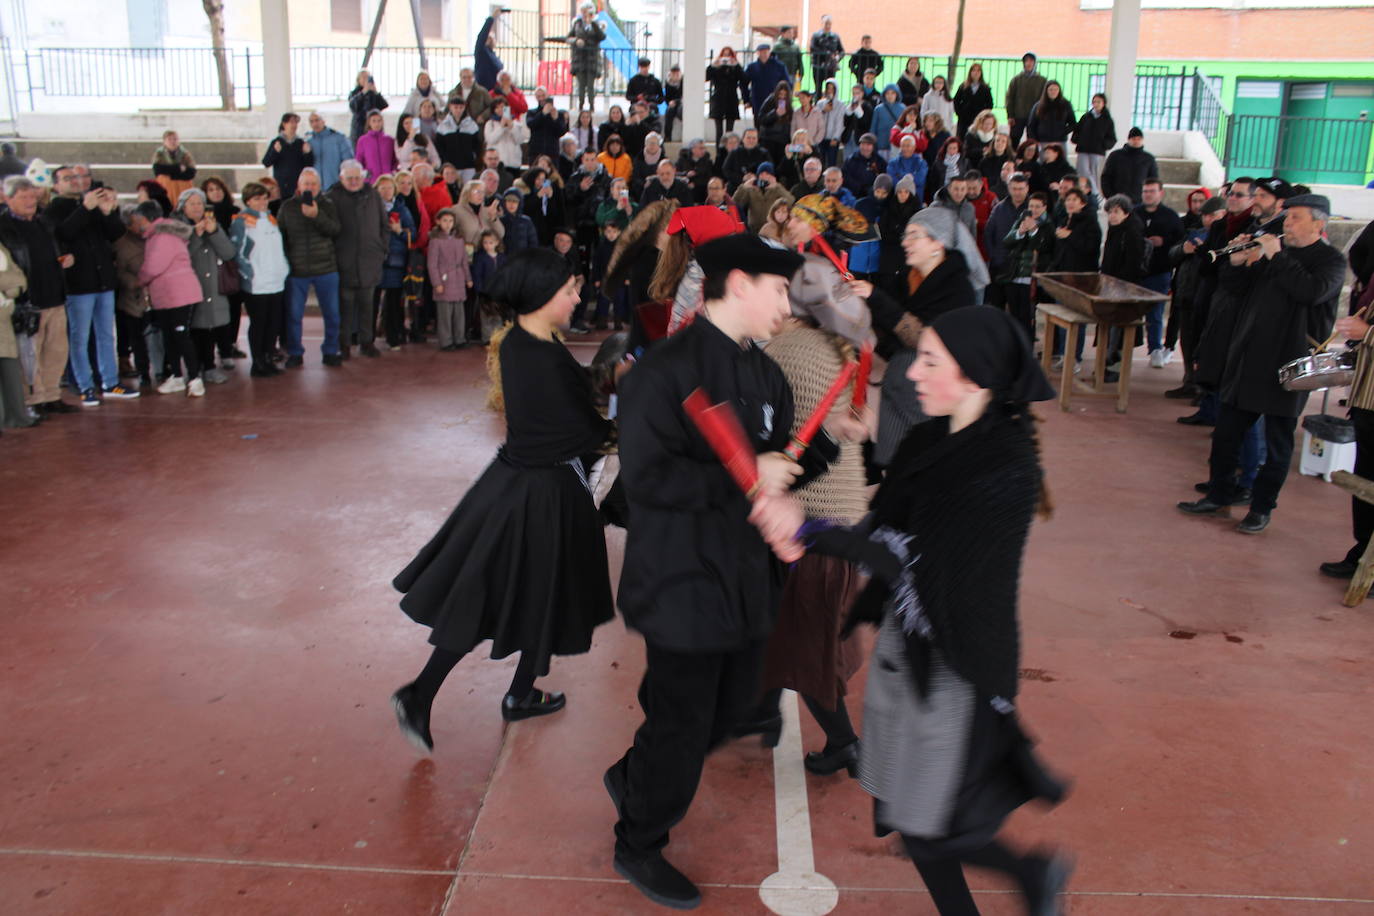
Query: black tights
{"x": 839, "y": 731}
{"x": 441, "y": 662}
{"x": 944, "y": 878}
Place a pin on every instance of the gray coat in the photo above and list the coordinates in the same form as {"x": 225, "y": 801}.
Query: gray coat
{"x": 586, "y": 57}
{"x": 361, "y": 245}
{"x": 207, "y": 252}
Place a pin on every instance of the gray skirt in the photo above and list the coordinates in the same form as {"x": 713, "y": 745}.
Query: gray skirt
{"x": 913, "y": 755}
{"x": 899, "y": 410}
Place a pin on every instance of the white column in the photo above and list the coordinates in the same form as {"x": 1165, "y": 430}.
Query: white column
{"x": 693, "y": 66}
{"x": 1121, "y": 56}
{"x": 276, "y": 58}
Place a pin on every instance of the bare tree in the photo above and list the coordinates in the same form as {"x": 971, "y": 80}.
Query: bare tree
{"x": 958, "y": 46}
{"x": 214, "y": 10}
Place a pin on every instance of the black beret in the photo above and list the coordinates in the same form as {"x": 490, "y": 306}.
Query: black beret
{"x": 746, "y": 252}
{"x": 1315, "y": 201}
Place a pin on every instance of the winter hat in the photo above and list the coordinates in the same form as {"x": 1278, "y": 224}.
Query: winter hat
{"x": 1212, "y": 205}
{"x": 39, "y": 174}
{"x": 515, "y": 192}
{"x": 884, "y": 182}
{"x": 907, "y": 183}
{"x": 766, "y": 167}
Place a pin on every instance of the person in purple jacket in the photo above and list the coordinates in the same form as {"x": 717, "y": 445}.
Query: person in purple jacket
{"x": 451, "y": 278}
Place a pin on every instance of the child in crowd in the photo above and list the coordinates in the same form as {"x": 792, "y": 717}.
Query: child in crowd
{"x": 451, "y": 278}
{"x": 616, "y": 301}
{"x": 488, "y": 259}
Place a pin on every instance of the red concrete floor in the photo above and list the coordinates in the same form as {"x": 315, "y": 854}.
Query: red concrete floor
{"x": 201, "y": 640}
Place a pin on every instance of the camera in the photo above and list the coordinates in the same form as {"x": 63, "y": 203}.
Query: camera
{"x": 307, "y": 198}
{"x": 97, "y": 185}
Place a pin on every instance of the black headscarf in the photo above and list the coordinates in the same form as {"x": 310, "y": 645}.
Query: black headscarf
{"x": 994, "y": 353}
{"x": 529, "y": 279}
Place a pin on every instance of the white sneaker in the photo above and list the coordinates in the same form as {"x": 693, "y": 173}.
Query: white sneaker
{"x": 196, "y": 389}
{"x": 1168, "y": 357}
{"x": 1056, "y": 364}
{"x": 173, "y": 385}
{"x": 1157, "y": 359}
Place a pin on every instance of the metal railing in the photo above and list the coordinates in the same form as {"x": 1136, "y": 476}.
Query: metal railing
{"x": 1209, "y": 113}
{"x": 1279, "y": 144}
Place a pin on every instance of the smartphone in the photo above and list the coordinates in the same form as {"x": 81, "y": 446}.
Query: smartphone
{"x": 624, "y": 193}
{"x": 1197, "y": 238}
{"x": 97, "y": 185}
{"x": 307, "y": 197}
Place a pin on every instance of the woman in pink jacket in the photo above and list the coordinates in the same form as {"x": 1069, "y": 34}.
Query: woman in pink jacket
{"x": 376, "y": 149}
{"x": 173, "y": 289}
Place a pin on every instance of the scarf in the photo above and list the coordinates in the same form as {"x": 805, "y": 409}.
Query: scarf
{"x": 985, "y": 135}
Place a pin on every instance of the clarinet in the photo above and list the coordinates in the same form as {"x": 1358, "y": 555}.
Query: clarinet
{"x": 1273, "y": 227}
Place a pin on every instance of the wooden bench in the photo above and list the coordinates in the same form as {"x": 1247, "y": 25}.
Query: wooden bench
{"x": 1073, "y": 324}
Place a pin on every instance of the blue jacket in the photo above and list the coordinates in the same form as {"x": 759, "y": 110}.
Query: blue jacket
{"x": 761, "y": 79}
{"x": 843, "y": 195}
{"x": 486, "y": 65}
{"x": 863, "y": 257}
{"x": 860, "y": 172}
{"x": 397, "y": 246}
{"x": 331, "y": 148}
{"x": 885, "y": 115}
{"x": 483, "y": 266}
{"x": 520, "y": 231}
{"x": 899, "y": 167}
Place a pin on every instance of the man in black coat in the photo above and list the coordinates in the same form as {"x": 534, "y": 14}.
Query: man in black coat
{"x": 1289, "y": 292}
{"x": 361, "y": 248}
{"x": 1163, "y": 230}
{"x": 744, "y": 161}
{"x": 644, "y": 86}
{"x": 700, "y": 582}
{"x": 666, "y": 186}
{"x": 86, "y": 224}
{"x": 1127, "y": 168}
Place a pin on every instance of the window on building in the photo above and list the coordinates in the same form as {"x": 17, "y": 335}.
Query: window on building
{"x": 432, "y": 18}
{"x": 346, "y": 15}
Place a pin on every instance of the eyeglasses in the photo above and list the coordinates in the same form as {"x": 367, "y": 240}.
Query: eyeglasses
{"x": 1238, "y": 194}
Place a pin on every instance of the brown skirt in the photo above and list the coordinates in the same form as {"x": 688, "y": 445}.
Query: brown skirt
{"x": 805, "y": 652}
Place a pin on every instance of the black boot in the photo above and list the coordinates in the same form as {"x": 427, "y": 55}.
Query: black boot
{"x": 1052, "y": 877}
{"x": 413, "y": 717}
{"x": 656, "y": 879}
{"x": 768, "y": 728}
{"x": 1341, "y": 569}
{"x": 826, "y": 762}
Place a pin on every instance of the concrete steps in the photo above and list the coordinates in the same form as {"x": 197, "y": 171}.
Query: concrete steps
{"x": 135, "y": 152}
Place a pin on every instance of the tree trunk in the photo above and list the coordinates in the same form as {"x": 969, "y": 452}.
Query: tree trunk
{"x": 958, "y": 46}
{"x": 214, "y": 10}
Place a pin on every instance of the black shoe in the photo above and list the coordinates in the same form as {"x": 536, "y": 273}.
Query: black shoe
{"x": 448, "y": 348}
{"x": 345, "y": 352}
{"x": 295, "y": 362}
{"x": 1109, "y": 377}
{"x": 1205, "y": 506}
{"x": 236, "y": 353}
{"x": 413, "y": 720}
{"x": 1241, "y": 495}
{"x": 1181, "y": 392}
{"x": 370, "y": 351}
{"x": 653, "y": 877}
{"x": 768, "y": 729}
{"x": 1253, "y": 523}
{"x": 60, "y": 406}
{"x": 538, "y": 703}
{"x": 1042, "y": 896}
{"x": 824, "y": 763}
{"x": 260, "y": 372}
{"x": 1341, "y": 569}
{"x": 332, "y": 360}
{"x": 1196, "y": 419}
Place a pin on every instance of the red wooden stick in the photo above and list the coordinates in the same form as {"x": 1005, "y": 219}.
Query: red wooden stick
{"x": 720, "y": 426}
{"x": 802, "y": 440}
{"x": 861, "y": 380}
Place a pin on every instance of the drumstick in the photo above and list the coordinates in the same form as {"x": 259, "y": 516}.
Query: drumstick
{"x": 861, "y": 380}
{"x": 721, "y": 428}
{"x": 1334, "y": 334}
{"x": 802, "y": 440}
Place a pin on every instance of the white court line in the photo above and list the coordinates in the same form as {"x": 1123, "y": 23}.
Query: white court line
{"x": 795, "y": 889}
{"x": 215, "y": 860}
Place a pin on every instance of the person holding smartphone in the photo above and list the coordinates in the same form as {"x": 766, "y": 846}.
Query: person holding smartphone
{"x": 363, "y": 99}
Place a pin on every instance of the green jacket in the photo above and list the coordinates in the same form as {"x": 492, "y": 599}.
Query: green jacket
{"x": 790, "y": 54}
{"x": 309, "y": 242}
{"x": 1028, "y": 253}
{"x": 1023, "y": 92}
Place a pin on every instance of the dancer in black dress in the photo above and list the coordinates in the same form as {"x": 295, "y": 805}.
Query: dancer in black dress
{"x": 522, "y": 560}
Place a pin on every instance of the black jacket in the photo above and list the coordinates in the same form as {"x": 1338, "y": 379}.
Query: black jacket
{"x": 545, "y": 131}
{"x": 1123, "y": 256}
{"x": 945, "y": 289}
{"x": 654, "y": 190}
{"x": 727, "y": 90}
{"x": 1219, "y": 306}
{"x": 865, "y": 59}
{"x": 740, "y": 161}
{"x": 646, "y": 87}
{"x": 1125, "y": 172}
{"x": 696, "y": 173}
{"x": 34, "y": 249}
{"x": 1051, "y": 123}
{"x": 1286, "y": 302}
{"x": 697, "y": 576}
{"x": 360, "y": 102}
{"x": 286, "y": 165}
{"x": 1078, "y": 252}
{"x": 86, "y": 235}
{"x": 1167, "y": 224}
{"x": 309, "y": 242}
{"x": 968, "y": 103}
{"x": 912, "y": 90}
{"x": 364, "y": 234}
{"x": 1095, "y": 135}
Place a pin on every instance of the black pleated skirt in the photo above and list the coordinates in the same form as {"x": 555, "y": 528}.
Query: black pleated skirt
{"x": 521, "y": 561}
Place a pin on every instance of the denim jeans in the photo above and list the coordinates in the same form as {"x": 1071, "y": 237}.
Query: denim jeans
{"x": 327, "y": 291}
{"x": 1154, "y": 318}
{"x": 89, "y": 313}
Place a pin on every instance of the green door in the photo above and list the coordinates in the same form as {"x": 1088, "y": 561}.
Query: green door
{"x": 1255, "y": 128}
{"x": 1323, "y": 139}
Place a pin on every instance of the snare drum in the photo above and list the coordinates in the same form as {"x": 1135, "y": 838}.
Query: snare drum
{"x": 1330, "y": 369}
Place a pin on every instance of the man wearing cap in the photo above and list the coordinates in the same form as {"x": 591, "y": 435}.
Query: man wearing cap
{"x": 762, "y": 77}
{"x": 700, "y": 582}
{"x": 861, "y": 168}
{"x": 1128, "y": 167}
{"x": 759, "y": 193}
{"x": 788, "y": 53}
{"x": 1023, "y": 92}
{"x": 1289, "y": 291}
{"x": 644, "y": 86}
{"x": 826, "y": 51}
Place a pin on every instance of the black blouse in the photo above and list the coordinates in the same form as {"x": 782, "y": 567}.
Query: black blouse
{"x": 549, "y": 414}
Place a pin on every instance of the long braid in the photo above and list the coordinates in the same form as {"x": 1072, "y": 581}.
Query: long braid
{"x": 1029, "y": 420}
